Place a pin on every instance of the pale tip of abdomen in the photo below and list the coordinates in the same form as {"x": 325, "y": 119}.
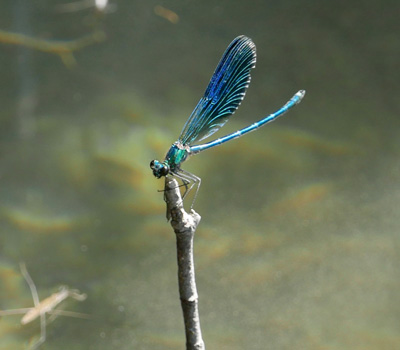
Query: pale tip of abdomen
{"x": 300, "y": 94}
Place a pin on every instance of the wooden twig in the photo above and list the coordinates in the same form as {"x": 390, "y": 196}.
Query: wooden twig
{"x": 64, "y": 49}
{"x": 185, "y": 225}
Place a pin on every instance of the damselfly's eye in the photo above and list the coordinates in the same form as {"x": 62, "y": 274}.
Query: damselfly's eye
{"x": 164, "y": 171}
{"x": 152, "y": 164}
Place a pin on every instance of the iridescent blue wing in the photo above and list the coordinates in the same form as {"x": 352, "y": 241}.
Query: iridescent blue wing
{"x": 224, "y": 93}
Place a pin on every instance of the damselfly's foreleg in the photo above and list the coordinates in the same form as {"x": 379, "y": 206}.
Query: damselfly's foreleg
{"x": 185, "y": 183}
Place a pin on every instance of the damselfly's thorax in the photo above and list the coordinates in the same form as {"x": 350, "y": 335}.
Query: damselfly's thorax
{"x": 177, "y": 154}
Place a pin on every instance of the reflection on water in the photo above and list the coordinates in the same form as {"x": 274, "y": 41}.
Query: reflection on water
{"x": 298, "y": 244}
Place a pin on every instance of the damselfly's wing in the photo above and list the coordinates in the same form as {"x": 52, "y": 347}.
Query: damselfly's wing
{"x": 224, "y": 93}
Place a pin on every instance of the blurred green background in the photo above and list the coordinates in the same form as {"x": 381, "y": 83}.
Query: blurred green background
{"x": 298, "y": 247}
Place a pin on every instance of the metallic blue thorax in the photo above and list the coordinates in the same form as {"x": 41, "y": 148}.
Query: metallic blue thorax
{"x": 176, "y": 155}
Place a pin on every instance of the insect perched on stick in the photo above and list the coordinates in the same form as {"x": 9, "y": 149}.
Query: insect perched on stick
{"x": 46, "y": 306}
{"x": 222, "y": 97}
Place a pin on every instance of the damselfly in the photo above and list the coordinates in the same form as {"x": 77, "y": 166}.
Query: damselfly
{"x": 222, "y": 97}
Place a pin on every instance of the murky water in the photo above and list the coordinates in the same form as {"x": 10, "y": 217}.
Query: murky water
{"x": 299, "y": 239}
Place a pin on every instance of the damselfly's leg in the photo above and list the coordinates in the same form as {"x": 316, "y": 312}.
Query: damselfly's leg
{"x": 191, "y": 180}
{"x": 36, "y": 302}
{"x": 184, "y": 183}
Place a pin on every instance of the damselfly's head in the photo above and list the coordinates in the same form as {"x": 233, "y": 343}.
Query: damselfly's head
{"x": 159, "y": 169}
